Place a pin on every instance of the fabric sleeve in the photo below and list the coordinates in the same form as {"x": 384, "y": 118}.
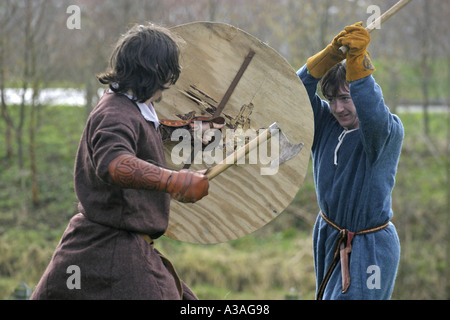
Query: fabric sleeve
{"x": 321, "y": 109}
{"x": 108, "y": 139}
{"x": 379, "y": 127}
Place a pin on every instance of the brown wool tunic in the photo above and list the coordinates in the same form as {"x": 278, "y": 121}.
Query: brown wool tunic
{"x": 103, "y": 239}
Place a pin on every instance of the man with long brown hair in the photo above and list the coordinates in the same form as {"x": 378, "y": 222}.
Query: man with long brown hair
{"x": 122, "y": 184}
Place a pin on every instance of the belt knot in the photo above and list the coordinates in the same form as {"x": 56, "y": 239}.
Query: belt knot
{"x": 341, "y": 252}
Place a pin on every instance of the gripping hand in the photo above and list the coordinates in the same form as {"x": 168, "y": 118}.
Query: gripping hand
{"x": 359, "y": 64}
{"x": 319, "y": 64}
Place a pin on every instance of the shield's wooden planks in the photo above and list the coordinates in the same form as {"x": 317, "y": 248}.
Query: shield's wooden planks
{"x": 241, "y": 199}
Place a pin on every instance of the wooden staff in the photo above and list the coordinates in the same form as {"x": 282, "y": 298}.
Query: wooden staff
{"x": 396, "y": 7}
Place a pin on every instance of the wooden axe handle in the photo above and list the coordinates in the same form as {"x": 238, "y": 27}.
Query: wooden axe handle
{"x": 380, "y": 20}
{"x": 238, "y": 154}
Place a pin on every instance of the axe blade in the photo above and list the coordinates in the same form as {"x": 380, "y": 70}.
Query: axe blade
{"x": 288, "y": 150}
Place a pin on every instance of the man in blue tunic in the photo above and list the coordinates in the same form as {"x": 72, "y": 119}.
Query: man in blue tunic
{"x": 356, "y": 148}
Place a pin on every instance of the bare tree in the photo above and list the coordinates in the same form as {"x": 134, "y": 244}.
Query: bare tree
{"x": 35, "y": 70}
{"x": 425, "y": 68}
{"x": 34, "y": 24}
{"x": 8, "y": 10}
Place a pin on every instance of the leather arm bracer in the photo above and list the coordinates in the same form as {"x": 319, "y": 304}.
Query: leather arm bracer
{"x": 128, "y": 171}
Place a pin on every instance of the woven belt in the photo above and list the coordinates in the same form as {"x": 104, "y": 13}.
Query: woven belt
{"x": 342, "y": 250}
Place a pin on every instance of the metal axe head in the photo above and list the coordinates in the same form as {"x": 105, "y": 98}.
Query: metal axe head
{"x": 287, "y": 149}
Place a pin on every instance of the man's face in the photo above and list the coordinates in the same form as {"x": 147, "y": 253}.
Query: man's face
{"x": 343, "y": 108}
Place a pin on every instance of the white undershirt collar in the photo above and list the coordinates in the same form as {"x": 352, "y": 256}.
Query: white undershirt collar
{"x": 147, "y": 111}
{"x": 340, "y": 140}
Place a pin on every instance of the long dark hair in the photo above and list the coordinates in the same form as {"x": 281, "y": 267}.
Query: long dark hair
{"x": 333, "y": 80}
{"x": 143, "y": 61}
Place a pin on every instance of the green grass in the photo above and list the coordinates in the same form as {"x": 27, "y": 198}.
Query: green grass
{"x": 258, "y": 266}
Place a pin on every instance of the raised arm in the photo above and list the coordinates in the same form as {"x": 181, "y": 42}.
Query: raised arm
{"x": 378, "y": 126}
{"x": 310, "y": 74}
{"x": 380, "y": 129}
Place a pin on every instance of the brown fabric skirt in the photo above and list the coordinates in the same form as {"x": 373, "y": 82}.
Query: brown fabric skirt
{"x": 111, "y": 264}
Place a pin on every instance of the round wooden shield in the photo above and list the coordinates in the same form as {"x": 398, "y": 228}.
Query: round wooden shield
{"x": 243, "y": 198}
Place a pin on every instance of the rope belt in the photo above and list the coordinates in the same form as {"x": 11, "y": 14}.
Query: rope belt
{"x": 167, "y": 263}
{"x": 342, "y": 250}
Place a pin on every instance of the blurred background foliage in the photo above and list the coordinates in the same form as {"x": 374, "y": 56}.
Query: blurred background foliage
{"x": 38, "y": 140}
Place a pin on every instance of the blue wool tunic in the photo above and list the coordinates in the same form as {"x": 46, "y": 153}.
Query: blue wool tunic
{"x": 354, "y": 179}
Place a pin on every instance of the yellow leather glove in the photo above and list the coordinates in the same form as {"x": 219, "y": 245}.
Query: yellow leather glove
{"x": 359, "y": 64}
{"x": 319, "y": 64}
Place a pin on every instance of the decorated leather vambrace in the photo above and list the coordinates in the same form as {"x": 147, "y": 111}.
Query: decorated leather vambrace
{"x": 128, "y": 171}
